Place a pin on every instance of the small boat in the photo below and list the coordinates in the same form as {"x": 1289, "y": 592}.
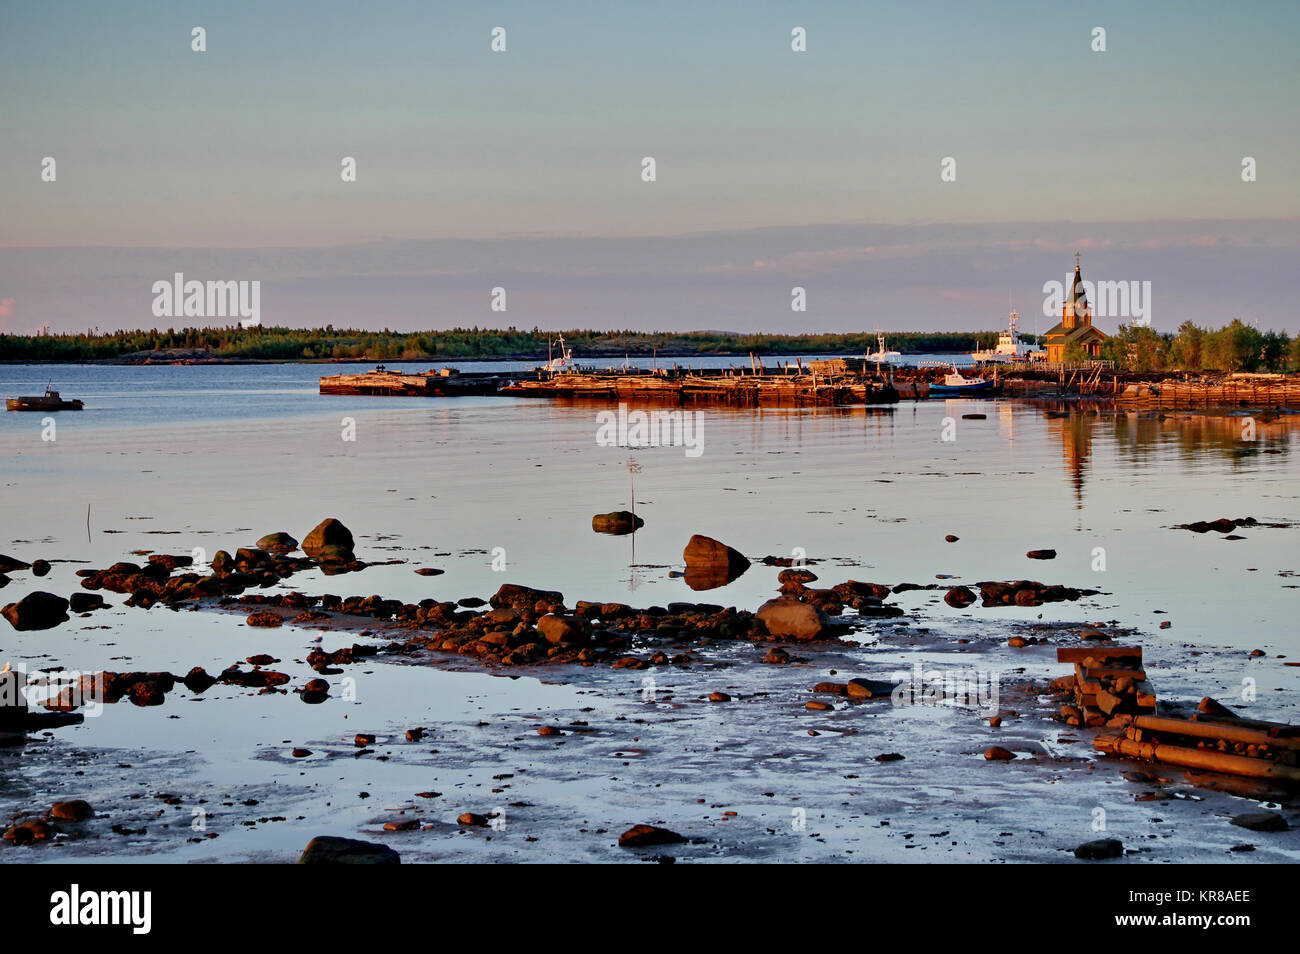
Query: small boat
{"x": 50, "y": 401}
{"x": 954, "y": 383}
{"x": 882, "y": 356}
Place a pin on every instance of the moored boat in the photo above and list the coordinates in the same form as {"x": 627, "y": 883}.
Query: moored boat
{"x": 49, "y": 401}
{"x": 1010, "y": 349}
{"x": 954, "y": 383}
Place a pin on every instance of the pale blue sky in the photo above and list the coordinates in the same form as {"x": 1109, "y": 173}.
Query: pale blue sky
{"x": 162, "y": 148}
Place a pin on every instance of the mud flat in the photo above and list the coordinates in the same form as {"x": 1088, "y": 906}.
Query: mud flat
{"x": 749, "y": 744}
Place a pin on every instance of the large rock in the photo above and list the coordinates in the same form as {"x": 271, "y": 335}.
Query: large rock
{"x": 517, "y": 596}
{"x": 329, "y": 533}
{"x": 617, "y": 521}
{"x": 37, "y": 610}
{"x": 8, "y": 563}
{"x": 1261, "y": 821}
{"x": 710, "y": 564}
{"x": 329, "y": 850}
{"x": 705, "y": 551}
{"x": 1100, "y": 850}
{"x": 792, "y": 619}
{"x": 645, "y": 836}
{"x": 559, "y": 629}
{"x": 280, "y": 542}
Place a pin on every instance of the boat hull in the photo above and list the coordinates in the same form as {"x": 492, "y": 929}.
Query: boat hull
{"x": 41, "y": 404}
{"x": 950, "y": 389}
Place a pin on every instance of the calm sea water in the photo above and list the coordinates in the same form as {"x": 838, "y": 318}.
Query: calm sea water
{"x": 170, "y": 459}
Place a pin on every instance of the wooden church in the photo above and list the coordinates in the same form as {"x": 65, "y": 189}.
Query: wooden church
{"x": 1076, "y": 326}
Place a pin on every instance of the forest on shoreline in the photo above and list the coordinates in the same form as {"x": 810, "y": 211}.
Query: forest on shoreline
{"x": 1234, "y": 347}
{"x": 331, "y": 344}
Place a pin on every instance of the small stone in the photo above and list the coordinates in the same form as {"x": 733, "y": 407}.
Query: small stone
{"x": 817, "y": 705}
{"x": 363, "y": 738}
{"x": 1041, "y": 554}
{"x": 1099, "y": 850}
{"x": 300, "y": 753}
{"x": 997, "y": 753}
{"x": 719, "y": 697}
{"x": 952, "y": 538}
{"x": 995, "y": 721}
{"x": 548, "y": 730}
{"x": 473, "y": 820}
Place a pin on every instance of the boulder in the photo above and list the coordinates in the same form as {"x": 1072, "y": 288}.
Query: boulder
{"x": 329, "y": 850}
{"x": 85, "y": 602}
{"x": 1041, "y": 554}
{"x": 72, "y": 810}
{"x": 1100, "y": 849}
{"x": 40, "y": 567}
{"x": 559, "y": 629}
{"x": 329, "y": 533}
{"x": 1261, "y": 821}
{"x": 792, "y": 619}
{"x": 710, "y": 564}
{"x": 617, "y": 522}
{"x": 278, "y": 542}
{"x": 645, "y": 836}
{"x": 8, "y": 564}
{"x": 524, "y": 597}
{"x": 959, "y": 597}
{"x": 705, "y": 551}
{"x": 38, "y": 610}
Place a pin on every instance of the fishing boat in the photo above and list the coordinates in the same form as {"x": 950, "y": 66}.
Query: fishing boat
{"x": 1009, "y": 347}
{"x": 954, "y": 383}
{"x": 882, "y": 356}
{"x": 49, "y": 401}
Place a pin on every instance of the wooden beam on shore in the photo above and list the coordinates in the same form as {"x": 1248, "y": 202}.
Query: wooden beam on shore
{"x": 1207, "y": 759}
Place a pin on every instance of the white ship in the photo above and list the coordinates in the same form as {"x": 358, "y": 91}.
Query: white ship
{"x": 882, "y": 356}
{"x": 1009, "y": 348}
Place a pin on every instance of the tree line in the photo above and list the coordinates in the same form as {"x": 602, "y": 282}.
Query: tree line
{"x": 1234, "y": 347}
{"x": 329, "y": 343}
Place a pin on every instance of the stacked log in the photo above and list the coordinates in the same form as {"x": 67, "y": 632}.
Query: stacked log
{"x": 1110, "y": 685}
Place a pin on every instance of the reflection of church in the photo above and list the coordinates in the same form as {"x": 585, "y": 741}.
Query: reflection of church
{"x": 1076, "y": 326}
{"x": 1075, "y": 434}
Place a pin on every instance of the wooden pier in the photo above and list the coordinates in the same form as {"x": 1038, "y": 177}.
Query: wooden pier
{"x": 444, "y": 383}
{"x": 829, "y": 382}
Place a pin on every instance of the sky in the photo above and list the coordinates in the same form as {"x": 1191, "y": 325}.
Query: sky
{"x": 522, "y": 169}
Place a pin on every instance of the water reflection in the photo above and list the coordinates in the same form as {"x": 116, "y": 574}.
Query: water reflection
{"x": 1144, "y": 438}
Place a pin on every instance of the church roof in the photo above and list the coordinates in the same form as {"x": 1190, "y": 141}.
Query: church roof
{"x": 1077, "y": 333}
